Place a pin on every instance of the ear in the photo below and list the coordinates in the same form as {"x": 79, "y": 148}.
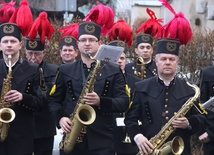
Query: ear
{"x": 152, "y": 50}
{"x": 20, "y": 45}
{"x": 136, "y": 51}
{"x": 44, "y": 52}
{"x": 60, "y": 52}
{"x": 100, "y": 42}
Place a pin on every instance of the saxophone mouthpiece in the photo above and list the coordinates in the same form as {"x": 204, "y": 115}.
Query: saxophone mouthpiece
{"x": 32, "y": 61}
{"x": 88, "y": 54}
{"x": 9, "y": 56}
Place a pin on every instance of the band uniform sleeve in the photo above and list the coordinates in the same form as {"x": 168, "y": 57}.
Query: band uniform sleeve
{"x": 132, "y": 117}
{"x": 55, "y": 101}
{"x": 119, "y": 100}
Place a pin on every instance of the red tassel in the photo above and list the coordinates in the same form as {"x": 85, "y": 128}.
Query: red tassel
{"x": 23, "y": 17}
{"x": 6, "y": 11}
{"x": 151, "y": 26}
{"x": 69, "y": 30}
{"x": 178, "y": 28}
{"x": 121, "y": 31}
{"x": 102, "y": 15}
{"x": 42, "y": 27}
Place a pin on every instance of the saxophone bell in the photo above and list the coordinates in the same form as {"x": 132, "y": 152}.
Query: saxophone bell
{"x": 140, "y": 62}
{"x": 176, "y": 146}
{"x": 86, "y": 114}
{"x": 7, "y": 115}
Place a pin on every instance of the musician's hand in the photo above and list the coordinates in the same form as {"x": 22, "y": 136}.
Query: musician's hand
{"x": 13, "y": 96}
{"x": 92, "y": 99}
{"x": 144, "y": 145}
{"x": 66, "y": 124}
{"x": 181, "y": 122}
{"x": 204, "y": 138}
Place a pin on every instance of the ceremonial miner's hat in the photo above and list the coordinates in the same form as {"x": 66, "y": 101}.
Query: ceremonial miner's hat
{"x": 35, "y": 44}
{"x": 10, "y": 29}
{"x": 90, "y": 28}
{"x": 168, "y": 46}
{"x": 69, "y": 41}
{"x": 144, "y": 38}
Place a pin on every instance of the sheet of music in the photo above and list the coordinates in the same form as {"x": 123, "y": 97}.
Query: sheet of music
{"x": 108, "y": 52}
{"x": 209, "y": 105}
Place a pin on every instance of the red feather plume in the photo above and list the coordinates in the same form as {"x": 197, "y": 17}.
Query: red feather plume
{"x": 102, "y": 15}
{"x": 178, "y": 27}
{"x": 6, "y": 11}
{"x": 42, "y": 27}
{"x": 23, "y": 17}
{"x": 69, "y": 30}
{"x": 151, "y": 26}
{"x": 121, "y": 31}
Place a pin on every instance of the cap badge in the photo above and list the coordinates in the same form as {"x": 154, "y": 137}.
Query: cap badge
{"x": 89, "y": 28}
{"x": 171, "y": 47}
{"x": 145, "y": 38}
{"x": 68, "y": 40}
{"x": 33, "y": 44}
{"x": 8, "y": 29}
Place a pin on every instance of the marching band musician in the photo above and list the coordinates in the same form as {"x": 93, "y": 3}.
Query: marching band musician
{"x": 157, "y": 99}
{"x": 207, "y": 91}
{"x": 68, "y": 43}
{"x": 35, "y": 52}
{"x": 144, "y": 66}
{"x": 144, "y": 50}
{"x": 162, "y": 102}
{"x": 44, "y": 126}
{"x": 69, "y": 50}
{"x": 123, "y": 145}
{"x": 109, "y": 95}
{"x": 23, "y": 94}
{"x": 121, "y": 36}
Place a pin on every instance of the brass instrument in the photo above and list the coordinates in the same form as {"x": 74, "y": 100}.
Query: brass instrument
{"x": 127, "y": 139}
{"x": 82, "y": 115}
{"x": 175, "y": 146}
{"x": 7, "y": 115}
{"x": 140, "y": 62}
{"x": 42, "y": 83}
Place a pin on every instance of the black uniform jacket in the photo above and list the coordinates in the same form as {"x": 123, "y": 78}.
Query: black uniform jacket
{"x": 1, "y": 56}
{"x": 25, "y": 79}
{"x": 150, "y": 69}
{"x": 109, "y": 85}
{"x": 154, "y": 104}
{"x": 207, "y": 91}
{"x": 120, "y": 131}
{"x": 44, "y": 125}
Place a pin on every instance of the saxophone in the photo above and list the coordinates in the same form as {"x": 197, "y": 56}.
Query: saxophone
{"x": 140, "y": 62}
{"x": 7, "y": 115}
{"x": 176, "y": 145}
{"x": 82, "y": 115}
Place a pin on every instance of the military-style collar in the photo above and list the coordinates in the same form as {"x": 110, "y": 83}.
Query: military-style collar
{"x": 172, "y": 82}
{"x": 148, "y": 63}
{"x": 92, "y": 65}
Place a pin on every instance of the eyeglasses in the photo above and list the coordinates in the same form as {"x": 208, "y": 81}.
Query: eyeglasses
{"x": 34, "y": 53}
{"x": 90, "y": 40}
